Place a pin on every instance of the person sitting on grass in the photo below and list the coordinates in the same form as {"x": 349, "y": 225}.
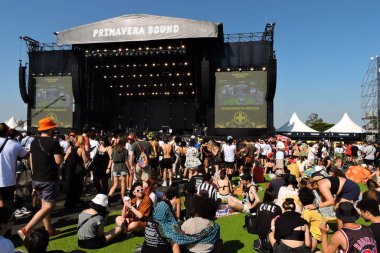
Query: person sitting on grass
{"x": 290, "y": 232}
{"x": 369, "y": 210}
{"x": 6, "y": 222}
{"x": 313, "y": 217}
{"x": 204, "y": 212}
{"x": 37, "y": 241}
{"x": 135, "y": 211}
{"x": 251, "y": 199}
{"x": 90, "y": 231}
{"x": 352, "y": 237}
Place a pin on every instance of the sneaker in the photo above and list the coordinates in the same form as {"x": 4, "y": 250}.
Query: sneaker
{"x": 19, "y": 213}
{"x": 170, "y": 183}
{"x": 164, "y": 183}
{"x": 25, "y": 211}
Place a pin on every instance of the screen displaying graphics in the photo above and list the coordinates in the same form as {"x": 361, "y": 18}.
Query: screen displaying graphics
{"x": 240, "y": 99}
{"x": 48, "y": 90}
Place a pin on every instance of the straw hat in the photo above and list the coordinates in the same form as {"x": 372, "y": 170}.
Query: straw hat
{"x": 46, "y": 124}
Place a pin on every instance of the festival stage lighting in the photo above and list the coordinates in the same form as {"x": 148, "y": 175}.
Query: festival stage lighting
{"x": 166, "y": 64}
{"x": 169, "y": 47}
{"x": 264, "y": 68}
{"x": 251, "y": 69}
{"x": 153, "y": 64}
{"x": 114, "y": 66}
{"x": 240, "y": 69}
{"x": 188, "y": 74}
{"x": 228, "y": 69}
{"x": 185, "y": 63}
{"x": 105, "y": 77}
{"x": 218, "y": 69}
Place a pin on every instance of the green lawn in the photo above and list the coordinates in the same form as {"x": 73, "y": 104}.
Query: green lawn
{"x": 235, "y": 238}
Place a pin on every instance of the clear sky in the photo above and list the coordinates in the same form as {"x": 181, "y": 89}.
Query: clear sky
{"x": 323, "y": 47}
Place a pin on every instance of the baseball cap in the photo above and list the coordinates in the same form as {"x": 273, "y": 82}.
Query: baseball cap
{"x": 346, "y": 212}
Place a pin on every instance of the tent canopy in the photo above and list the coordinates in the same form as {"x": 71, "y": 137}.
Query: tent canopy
{"x": 12, "y": 123}
{"x": 138, "y": 27}
{"x": 295, "y": 125}
{"x": 345, "y": 125}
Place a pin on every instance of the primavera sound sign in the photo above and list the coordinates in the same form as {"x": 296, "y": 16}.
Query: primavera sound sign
{"x": 138, "y": 27}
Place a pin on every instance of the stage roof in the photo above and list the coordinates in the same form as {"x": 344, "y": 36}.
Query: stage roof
{"x": 295, "y": 125}
{"x": 137, "y": 27}
{"x": 345, "y": 125}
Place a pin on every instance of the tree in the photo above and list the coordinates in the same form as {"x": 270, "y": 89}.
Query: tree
{"x": 313, "y": 119}
{"x": 321, "y": 126}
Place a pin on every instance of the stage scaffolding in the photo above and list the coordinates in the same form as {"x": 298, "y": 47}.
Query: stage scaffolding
{"x": 370, "y": 97}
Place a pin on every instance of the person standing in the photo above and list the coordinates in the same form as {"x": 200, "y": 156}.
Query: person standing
{"x": 45, "y": 159}
{"x": 9, "y": 152}
{"x": 75, "y": 158}
{"x": 139, "y": 160}
{"x": 229, "y": 151}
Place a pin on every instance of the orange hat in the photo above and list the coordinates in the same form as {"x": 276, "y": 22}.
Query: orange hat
{"x": 46, "y": 124}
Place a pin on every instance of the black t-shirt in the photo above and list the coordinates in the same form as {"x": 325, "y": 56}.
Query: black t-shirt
{"x": 366, "y": 197}
{"x": 375, "y": 227}
{"x": 325, "y": 161}
{"x": 153, "y": 241}
{"x": 44, "y": 167}
{"x": 266, "y": 211}
{"x": 276, "y": 184}
{"x": 144, "y": 146}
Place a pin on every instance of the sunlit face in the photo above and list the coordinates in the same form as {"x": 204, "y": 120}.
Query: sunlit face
{"x": 138, "y": 192}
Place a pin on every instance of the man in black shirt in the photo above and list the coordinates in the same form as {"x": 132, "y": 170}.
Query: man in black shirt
{"x": 326, "y": 161}
{"x": 369, "y": 210}
{"x": 355, "y": 153}
{"x": 45, "y": 159}
{"x": 137, "y": 148}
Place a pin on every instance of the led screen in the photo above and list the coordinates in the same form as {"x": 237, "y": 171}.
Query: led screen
{"x": 48, "y": 90}
{"x": 240, "y": 99}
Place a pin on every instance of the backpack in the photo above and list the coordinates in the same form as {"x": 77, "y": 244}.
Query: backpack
{"x": 155, "y": 154}
{"x": 142, "y": 160}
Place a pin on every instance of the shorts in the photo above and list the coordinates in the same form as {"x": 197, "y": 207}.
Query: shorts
{"x": 224, "y": 198}
{"x": 7, "y": 195}
{"x": 282, "y": 248}
{"x": 350, "y": 191}
{"x": 48, "y": 191}
{"x": 119, "y": 169}
{"x": 143, "y": 173}
{"x": 279, "y": 163}
{"x": 229, "y": 165}
{"x": 166, "y": 163}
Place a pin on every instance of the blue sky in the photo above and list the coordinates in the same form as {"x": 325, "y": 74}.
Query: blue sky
{"x": 323, "y": 47}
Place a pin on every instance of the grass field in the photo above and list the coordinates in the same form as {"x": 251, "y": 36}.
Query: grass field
{"x": 235, "y": 238}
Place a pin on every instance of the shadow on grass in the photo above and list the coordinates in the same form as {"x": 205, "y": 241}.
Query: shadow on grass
{"x": 232, "y": 246}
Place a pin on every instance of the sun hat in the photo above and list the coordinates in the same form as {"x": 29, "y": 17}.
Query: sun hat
{"x": 46, "y": 124}
{"x": 347, "y": 213}
{"x": 278, "y": 173}
{"x": 100, "y": 199}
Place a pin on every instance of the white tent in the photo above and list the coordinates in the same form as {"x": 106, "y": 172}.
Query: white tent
{"x": 295, "y": 125}
{"x": 12, "y": 123}
{"x": 345, "y": 125}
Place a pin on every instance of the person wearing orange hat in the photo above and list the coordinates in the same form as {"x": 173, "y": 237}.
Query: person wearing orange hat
{"x": 45, "y": 159}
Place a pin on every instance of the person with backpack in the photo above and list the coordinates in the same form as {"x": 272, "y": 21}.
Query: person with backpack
{"x": 153, "y": 158}
{"x": 139, "y": 160}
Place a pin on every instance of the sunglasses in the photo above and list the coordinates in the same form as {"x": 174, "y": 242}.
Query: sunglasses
{"x": 138, "y": 190}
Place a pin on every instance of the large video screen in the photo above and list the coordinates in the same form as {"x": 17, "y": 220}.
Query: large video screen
{"x": 240, "y": 99}
{"x": 54, "y": 99}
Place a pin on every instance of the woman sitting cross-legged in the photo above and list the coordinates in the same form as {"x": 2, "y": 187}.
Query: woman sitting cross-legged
{"x": 90, "y": 231}
{"x": 163, "y": 232}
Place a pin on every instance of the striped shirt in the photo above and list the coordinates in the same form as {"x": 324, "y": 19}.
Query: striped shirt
{"x": 205, "y": 186}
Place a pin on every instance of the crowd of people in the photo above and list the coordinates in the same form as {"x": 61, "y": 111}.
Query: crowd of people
{"x": 311, "y": 189}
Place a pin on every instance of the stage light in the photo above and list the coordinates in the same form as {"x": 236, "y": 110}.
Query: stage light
{"x": 105, "y": 77}
{"x": 153, "y": 64}
{"x": 138, "y": 85}
{"x": 144, "y": 85}
{"x": 98, "y": 50}
{"x": 188, "y": 74}
{"x": 158, "y": 75}
{"x": 264, "y": 68}
{"x": 151, "y": 75}
{"x": 160, "y": 48}
{"x": 166, "y": 64}
{"x": 173, "y": 63}
{"x": 154, "y": 85}
{"x": 114, "y": 66}
{"x": 122, "y": 76}
{"x": 119, "y": 94}
{"x": 119, "y": 49}
{"x": 126, "y": 49}
{"x": 121, "y": 86}
{"x": 193, "y": 92}
{"x": 180, "y": 84}
{"x": 134, "y": 75}
{"x": 160, "y": 84}
{"x": 191, "y": 84}
{"x": 140, "y": 75}
{"x": 240, "y": 69}
{"x": 147, "y": 48}
{"x": 140, "y": 48}
{"x": 127, "y": 86}
{"x": 86, "y": 51}
{"x": 96, "y": 66}
{"x": 251, "y": 69}
{"x": 115, "y": 76}
{"x": 170, "y": 74}
{"x": 218, "y": 70}
{"x": 134, "y": 65}
{"x": 169, "y": 47}
{"x": 177, "y": 74}
{"x": 105, "y": 50}
{"x": 127, "y": 65}
{"x": 146, "y": 65}
{"x": 185, "y": 63}
{"x": 228, "y": 69}
{"x": 107, "y": 66}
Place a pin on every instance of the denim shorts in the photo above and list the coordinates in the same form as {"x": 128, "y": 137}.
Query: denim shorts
{"x": 48, "y": 191}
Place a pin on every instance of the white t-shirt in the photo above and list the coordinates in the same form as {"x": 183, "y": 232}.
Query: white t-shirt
{"x": 229, "y": 152}
{"x": 64, "y": 145}
{"x": 6, "y": 245}
{"x": 8, "y": 157}
{"x": 154, "y": 198}
{"x": 280, "y": 153}
{"x": 286, "y": 192}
